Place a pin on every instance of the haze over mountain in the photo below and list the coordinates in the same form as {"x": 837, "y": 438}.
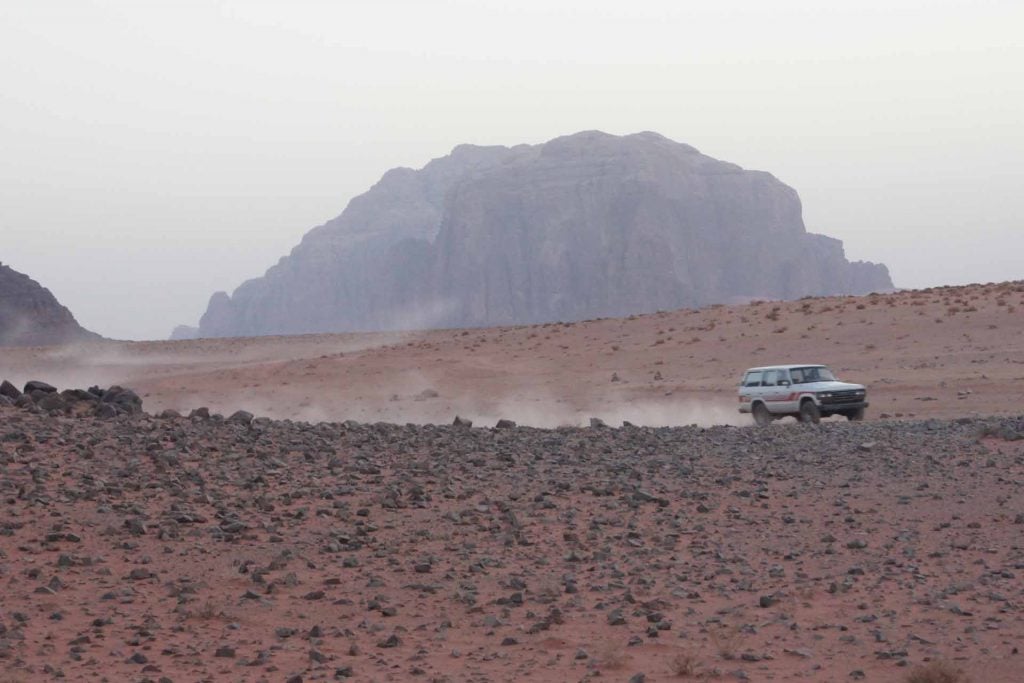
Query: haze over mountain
{"x": 587, "y": 225}
{"x": 31, "y": 316}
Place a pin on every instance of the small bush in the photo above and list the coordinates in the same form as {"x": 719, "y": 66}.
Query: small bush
{"x": 727, "y": 640}
{"x": 936, "y": 672}
{"x": 612, "y": 656}
{"x": 685, "y": 665}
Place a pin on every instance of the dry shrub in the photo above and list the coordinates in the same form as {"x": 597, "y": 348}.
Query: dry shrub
{"x": 612, "y": 656}
{"x": 685, "y": 665}
{"x": 208, "y": 611}
{"x": 936, "y": 672}
{"x": 726, "y": 640}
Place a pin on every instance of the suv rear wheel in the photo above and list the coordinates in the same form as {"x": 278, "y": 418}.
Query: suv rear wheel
{"x": 809, "y": 412}
{"x": 761, "y": 415}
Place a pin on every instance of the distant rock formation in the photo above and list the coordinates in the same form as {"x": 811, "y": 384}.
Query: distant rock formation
{"x": 584, "y": 226}
{"x": 31, "y": 316}
{"x": 184, "y": 332}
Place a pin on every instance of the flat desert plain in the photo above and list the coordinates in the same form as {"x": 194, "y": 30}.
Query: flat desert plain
{"x": 949, "y": 352}
{"x": 359, "y": 535}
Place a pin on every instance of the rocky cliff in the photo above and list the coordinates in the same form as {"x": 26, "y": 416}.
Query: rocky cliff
{"x": 31, "y": 316}
{"x": 584, "y": 226}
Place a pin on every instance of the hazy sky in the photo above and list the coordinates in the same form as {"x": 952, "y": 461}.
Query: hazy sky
{"x": 152, "y": 153}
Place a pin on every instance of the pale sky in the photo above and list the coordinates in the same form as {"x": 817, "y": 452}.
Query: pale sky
{"x": 152, "y": 153}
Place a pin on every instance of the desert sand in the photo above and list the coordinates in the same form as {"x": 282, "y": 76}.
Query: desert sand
{"x": 948, "y": 352}
{"x": 335, "y": 541}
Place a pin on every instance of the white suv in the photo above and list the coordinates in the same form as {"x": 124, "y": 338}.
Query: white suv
{"x": 807, "y": 392}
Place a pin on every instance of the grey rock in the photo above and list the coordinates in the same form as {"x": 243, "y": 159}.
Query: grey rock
{"x": 242, "y": 417}
{"x": 36, "y": 385}
{"x": 52, "y": 402}
{"x": 615, "y": 618}
{"x": 391, "y": 641}
{"x": 8, "y": 390}
{"x": 105, "y": 410}
{"x": 124, "y": 400}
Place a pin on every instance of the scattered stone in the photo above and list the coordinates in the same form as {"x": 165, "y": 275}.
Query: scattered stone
{"x": 241, "y": 417}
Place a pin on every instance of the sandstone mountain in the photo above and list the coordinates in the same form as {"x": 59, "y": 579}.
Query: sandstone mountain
{"x": 31, "y": 316}
{"x": 584, "y": 226}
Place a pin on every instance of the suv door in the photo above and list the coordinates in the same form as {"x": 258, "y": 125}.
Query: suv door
{"x": 773, "y": 394}
{"x": 751, "y": 388}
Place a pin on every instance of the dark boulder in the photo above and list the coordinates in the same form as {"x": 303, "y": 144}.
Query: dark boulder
{"x": 36, "y": 385}
{"x": 9, "y": 390}
{"x": 105, "y": 411}
{"x": 52, "y": 402}
{"x": 71, "y": 395}
{"x": 242, "y": 417}
{"x": 125, "y": 400}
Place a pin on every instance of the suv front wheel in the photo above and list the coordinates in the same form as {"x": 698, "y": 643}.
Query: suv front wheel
{"x": 809, "y": 412}
{"x": 761, "y": 415}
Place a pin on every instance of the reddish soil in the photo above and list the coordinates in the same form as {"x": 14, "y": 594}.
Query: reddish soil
{"x": 947, "y": 352}
{"x": 281, "y": 551}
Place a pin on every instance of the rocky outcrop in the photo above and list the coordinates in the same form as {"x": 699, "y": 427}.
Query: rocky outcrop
{"x": 31, "y": 316}
{"x": 92, "y": 402}
{"x": 584, "y": 226}
{"x": 184, "y": 332}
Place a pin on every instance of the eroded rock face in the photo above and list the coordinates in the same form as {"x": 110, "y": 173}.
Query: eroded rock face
{"x": 184, "y": 332}
{"x": 31, "y": 316}
{"x": 588, "y": 225}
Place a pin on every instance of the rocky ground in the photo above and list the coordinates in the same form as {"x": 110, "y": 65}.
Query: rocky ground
{"x": 135, "y": 547}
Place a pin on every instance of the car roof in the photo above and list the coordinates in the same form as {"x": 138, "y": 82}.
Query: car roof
{"x": 786, "y": 367}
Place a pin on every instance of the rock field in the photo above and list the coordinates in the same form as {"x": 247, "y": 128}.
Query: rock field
{"x": 138, "y": 547}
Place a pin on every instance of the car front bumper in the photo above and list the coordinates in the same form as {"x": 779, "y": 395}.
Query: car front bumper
{"x": 842, "y": 407}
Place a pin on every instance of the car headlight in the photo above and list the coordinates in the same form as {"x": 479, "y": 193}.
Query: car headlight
{"x": 825, "y": 394}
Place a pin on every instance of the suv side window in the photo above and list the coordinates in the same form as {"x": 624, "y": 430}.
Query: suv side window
{"x": 753, "y": 379}
{"x": 770, "y": 378}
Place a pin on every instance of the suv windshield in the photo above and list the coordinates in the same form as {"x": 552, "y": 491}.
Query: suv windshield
{"x": 811, "y": 374}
